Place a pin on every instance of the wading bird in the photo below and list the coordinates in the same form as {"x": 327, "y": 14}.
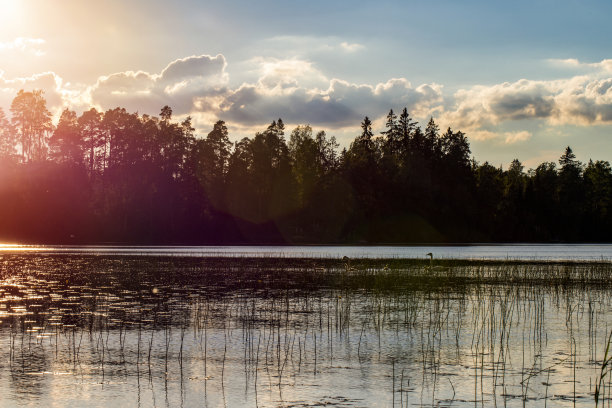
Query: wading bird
{"x": 347, "y": 264}
{"x": 437, "y": 268}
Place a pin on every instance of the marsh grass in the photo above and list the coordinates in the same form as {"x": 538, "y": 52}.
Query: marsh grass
{"x": 274, "y": 331}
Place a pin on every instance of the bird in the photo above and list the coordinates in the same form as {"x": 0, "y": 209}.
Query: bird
{"x": 437, "y": 268}
{"x": 347, "y": 264}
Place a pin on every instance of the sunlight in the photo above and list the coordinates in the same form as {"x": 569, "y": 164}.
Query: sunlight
{"x": 18, "y": 247}
{"x": 8, "y": 8}
{"x": 10, "y": 11}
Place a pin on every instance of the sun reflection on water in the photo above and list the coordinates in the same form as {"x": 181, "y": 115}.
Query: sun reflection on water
{"x": 21, "y": 248}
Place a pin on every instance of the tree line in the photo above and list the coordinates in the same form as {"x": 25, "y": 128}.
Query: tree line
{"x": 117, "y": 176}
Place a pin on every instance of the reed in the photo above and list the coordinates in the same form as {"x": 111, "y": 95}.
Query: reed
{"x": 476, "y": 331}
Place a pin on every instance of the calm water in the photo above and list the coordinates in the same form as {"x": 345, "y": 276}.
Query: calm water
{"x": 83, "y": 330}
{"x": 576, "y": 252}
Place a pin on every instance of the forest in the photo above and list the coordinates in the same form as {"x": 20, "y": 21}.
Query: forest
{"x": 121, "y": 177}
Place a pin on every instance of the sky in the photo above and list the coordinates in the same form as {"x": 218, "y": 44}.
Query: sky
{"x": 522, "y": 79}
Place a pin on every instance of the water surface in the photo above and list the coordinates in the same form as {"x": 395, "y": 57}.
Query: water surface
{"x": 125, "y": 331}
{"x": 570, "y": 252}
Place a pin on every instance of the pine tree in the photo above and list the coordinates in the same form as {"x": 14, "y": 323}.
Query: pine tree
{"x": 7, "y": 138}
{"x": 32, "y": 123}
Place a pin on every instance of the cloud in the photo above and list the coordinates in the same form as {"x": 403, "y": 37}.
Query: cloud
{"x": 180, "y": 84}
{"x": 29, "y": 45}
{"x": 351, "y": 47}
{"x": 516, "y": 137}
{"x": 603, "y": 65}
{"x": 508, "y": 137}
{"x": 277, "y": 74}
{"x": 341, "y": 104}
{"x": 305, "y": 46}
{"x": 580, "y": 100}
{"x": 293, "y": 89}
{"x": 486, "y": 106}
{"x": 296, "y": 90}
{"x": 48, "y": 82}
{"x": 584, "y": 102}
{"x": 482, "y": 135}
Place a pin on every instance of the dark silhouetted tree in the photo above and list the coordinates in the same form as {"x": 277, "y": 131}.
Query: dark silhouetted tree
{"x": 405, "y": 128}
{"x": 571, "y": 194}
{"x": 8, "y": 141}
{"x": 123, "y": 177}
{"x": 490, "y": 196}
{"x": 66, "y": 142}
{"x": 32, "y": 123}
{"x": 598, "y": 198}
{"x": 90, "y": 128}
{"x": 513, "y": 211}
{"x": 212, "y": 156}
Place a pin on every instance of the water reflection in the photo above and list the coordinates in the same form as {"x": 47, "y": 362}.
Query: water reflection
{"x": 575, "y": 252}
{"x": 145, "y": 331}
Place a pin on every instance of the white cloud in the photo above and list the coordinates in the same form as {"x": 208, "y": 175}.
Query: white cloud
{"x": 516, "y": 137}
{"x": 179, "y": 85}
{"x": 29, "y": 45}
{"x": 307, "y": 45}
{"x": 341, "y": 104}
{"x": 603, "y": 65}
{"x": 296, "y": 90}
{"x": 280, "y": 74}
{"x": 485, "y": 106}
{"x": 584, "y": 101}
{"x": 482, "y": 135}
{"x": 579, "y": 100}
{"x": 48, "y": 82}
{"x": 354, "y": 47}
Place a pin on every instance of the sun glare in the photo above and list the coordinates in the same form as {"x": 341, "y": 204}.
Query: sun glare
{"x": 10, "y": 11}
{"x": 17, "y": 248}
{"x": 7, "y": 7}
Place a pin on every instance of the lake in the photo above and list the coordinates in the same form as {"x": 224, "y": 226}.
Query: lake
{"x": 575, "y": 252}
{"x": 270, "y": 327}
